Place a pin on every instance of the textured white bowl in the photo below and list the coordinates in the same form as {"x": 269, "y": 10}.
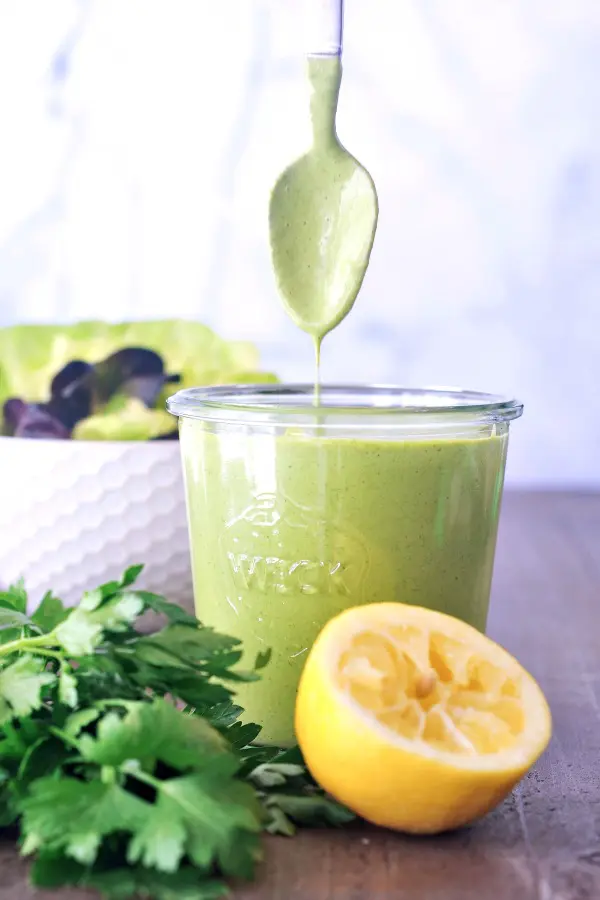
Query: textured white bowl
{"x": 74, "y": 514}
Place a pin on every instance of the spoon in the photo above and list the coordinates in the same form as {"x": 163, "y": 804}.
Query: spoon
{"x": 323, "y": 208}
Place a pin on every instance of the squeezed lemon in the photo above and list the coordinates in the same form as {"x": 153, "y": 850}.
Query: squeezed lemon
{"x": 414, "y": 719}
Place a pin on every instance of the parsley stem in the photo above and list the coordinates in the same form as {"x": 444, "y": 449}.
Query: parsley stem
{"x": 66, "y": 738}
{"x": 52, "y": 654}
{"x": 31, "y": 643}
{"x": 150, "y": 780}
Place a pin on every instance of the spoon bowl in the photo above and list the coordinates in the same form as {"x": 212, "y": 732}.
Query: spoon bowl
{"x": 322, "y": 217}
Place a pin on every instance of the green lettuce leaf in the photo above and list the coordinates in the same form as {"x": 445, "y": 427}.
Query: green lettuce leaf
{"x": 30, "y": 355}
{"x": 125, "y": 419}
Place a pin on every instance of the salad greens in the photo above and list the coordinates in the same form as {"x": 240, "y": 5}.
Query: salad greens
{"x": 124, "y": 764}
{"x": 125, "y": 419}
{"x": 55, "y": 379}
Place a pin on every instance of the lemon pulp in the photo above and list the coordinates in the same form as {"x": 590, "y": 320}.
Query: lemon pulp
{"x": 429, "y": 687}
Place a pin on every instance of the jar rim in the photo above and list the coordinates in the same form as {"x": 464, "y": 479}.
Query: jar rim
{"x": 288, "y": 401}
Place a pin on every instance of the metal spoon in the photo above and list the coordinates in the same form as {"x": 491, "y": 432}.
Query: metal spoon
{"x": 323, "y": 209}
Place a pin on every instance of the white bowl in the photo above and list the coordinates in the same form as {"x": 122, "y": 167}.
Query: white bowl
{"x": 74, "y": 514}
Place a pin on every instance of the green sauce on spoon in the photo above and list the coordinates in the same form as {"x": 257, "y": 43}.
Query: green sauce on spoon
{"x": 322, "y": 217}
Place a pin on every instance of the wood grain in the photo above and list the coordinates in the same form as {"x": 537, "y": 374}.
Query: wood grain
{"x": 543, "y": 843}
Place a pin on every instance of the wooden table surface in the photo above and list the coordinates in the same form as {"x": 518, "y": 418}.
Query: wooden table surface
{"x": 543, "y": 843}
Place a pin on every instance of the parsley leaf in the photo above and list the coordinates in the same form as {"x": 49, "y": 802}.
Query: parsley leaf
{"x": 12, "y": 622}
{"x": 49, "y": 613}
{"x": 207, "y": 816}
{"x": 130, "y": 575}
{"x": 16, "y": 596}
{"x": 67, "y": 687}
{"x": 73, "y": 816}
{"x": 156, "y": 731}
{"x": 82, "y": 631}
{"x": 125, "y": 762}
{"x": 180, "y": 646}
{"x": 163, "y": 607}
{"x": 291, "y": 798}
{"x": 21, "y": 685}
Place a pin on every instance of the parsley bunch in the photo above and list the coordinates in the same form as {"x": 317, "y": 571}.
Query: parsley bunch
{"x": 124, "y": 765}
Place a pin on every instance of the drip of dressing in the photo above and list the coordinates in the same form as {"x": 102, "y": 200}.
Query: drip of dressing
{"x": 322, "y": 219}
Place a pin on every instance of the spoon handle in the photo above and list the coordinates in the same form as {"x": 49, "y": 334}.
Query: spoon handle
{"x": 325, "y": 27}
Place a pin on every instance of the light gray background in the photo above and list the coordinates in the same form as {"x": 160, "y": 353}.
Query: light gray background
{"x": 139, "y": 140}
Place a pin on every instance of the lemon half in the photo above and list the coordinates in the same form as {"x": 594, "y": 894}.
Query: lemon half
{"x": 415, "y": 720}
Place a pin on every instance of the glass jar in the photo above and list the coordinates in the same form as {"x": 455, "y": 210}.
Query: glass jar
{"x": 297, "y": 511}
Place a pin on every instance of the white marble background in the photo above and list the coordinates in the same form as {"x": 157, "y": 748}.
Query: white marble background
{"x": 139, "y": 139}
